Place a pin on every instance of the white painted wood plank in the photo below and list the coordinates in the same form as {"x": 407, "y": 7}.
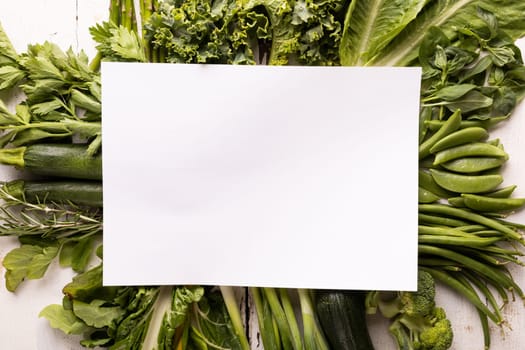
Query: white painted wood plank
{"x": 35, "y": 21}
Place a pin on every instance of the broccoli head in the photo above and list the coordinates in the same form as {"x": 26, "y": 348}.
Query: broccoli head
{"x": 417, "y": 323}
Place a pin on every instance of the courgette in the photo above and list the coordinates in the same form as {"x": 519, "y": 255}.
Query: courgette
{"x": 55, "y": 160}
{"x": 83, "y": 193}
{"x": 343, "y": 319}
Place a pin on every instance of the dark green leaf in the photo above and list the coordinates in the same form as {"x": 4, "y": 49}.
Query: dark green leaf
{"x": 470, "y": 102}
{"x": 95, "y": 314}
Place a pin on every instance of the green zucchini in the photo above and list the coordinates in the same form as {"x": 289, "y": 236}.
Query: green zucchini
{"x": 343, "y": 319}
{"x": 55, "y": 160}
{"x": 83, "y": 193}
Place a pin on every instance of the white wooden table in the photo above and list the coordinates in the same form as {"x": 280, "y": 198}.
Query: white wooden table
{"x": 66, "y": 23}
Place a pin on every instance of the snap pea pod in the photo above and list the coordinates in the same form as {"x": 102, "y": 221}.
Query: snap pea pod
{"x": 504, "y": 192}
{"x": 434, "y": 125}
{"x": 458, "y": 201}
{"x": 466, "y": 183}
{"x": 490, "y": 204}
{"x": 451, "y": 125}
{"x": 425, "y": 196}
{"x": 469, "y": 150}
{"x": 469, "y": 165}
{"x": 460, "y": 137}
{"x": 446, "y": 210}
{"x": 427, "y": 182}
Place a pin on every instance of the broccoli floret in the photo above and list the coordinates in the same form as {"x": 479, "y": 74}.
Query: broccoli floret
{"x": 417, "y": 324}
{"x": 439, "y": 335}
{"x": 411, "y": 303}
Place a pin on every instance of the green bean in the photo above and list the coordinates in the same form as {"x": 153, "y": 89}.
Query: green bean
{"x": 425, "y": 196}
{"x": 456, "y": 241}
{"x": 484, "y": 203}
{"x": 443, "y": 231}
{"x": 469, "y": 150}
{"x": 451, "y": 125}
{"x": 438, "y": 262}
{"x": 469, "y": 279}
{"x": 504, "y": 192}
{"x": 492, "y": 301}
{"x": 470, "y": 216}
{"x": 460, "y": 137}
{"x": 488, "y": 233}
{"x": 483, "y": 269}
{"x": 453, "y": 283}
{"x": 466, "y": 183}
{"x": 473, "y": 164}
{"x": 471, "y": 228}
{"x": 440, "y": 220}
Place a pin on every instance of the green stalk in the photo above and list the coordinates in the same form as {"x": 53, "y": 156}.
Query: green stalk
{"x": 146, "y": 10}
{"x": 127, "y": 15}
{"x": 114, "y": 11}
{"x": 313, "y": 335}
{"x": 13, "y": 156}
{"x": 280, "y": 318}
{"x": 267, "y": 331}
{"x": 290, "y": 317}
{"x": 235, "y": 315}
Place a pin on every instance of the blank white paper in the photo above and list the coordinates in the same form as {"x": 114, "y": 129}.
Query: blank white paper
{"x": 293, "y": 177}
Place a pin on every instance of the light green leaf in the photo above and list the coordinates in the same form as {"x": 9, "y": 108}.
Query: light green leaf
{"x": 371, "y": 24}
{"x": 95, "y": 314}
{"x": 47, "y": 107}
{"x": 10, "y": 76}
{"x": 127, "y": 45}
{"x": 27, "y": 261}
{"x": 62, "y": 319}
{"x": 450, "y": 15}
{"x": 29, "y": 136}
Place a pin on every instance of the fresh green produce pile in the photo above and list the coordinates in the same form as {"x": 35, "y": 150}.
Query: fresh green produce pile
{"x": 473, "y": 77}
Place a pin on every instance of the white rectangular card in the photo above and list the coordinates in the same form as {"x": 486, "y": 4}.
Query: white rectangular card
{"x": 300, "y": 177}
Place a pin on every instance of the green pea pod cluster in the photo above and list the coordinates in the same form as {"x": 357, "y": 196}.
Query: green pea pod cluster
{"x": 466, "y": 239}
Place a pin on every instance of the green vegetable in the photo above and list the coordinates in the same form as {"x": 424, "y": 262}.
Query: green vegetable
{"x": 466, "y": 183}
{"x": 142, "y": 317}
{"x": 416, "y": 321}
{"x": 58, "y": 160}
{"x": 77, "y": 192}
{"x": 472, "y": 164}
{"x": 460, "y": 137}
{"x": 491, "y": 204}
{"x": 342, "y": 317}
{"x": 469, "y": 150}
{"x": 451, "y": 125}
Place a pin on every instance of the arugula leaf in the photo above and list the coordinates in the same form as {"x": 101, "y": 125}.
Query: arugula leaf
{"x": 63, "y": 319}
{"x": 27, "y": 261}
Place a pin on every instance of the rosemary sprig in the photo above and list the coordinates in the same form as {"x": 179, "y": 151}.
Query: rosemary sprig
{"x": 52, "y": 220}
